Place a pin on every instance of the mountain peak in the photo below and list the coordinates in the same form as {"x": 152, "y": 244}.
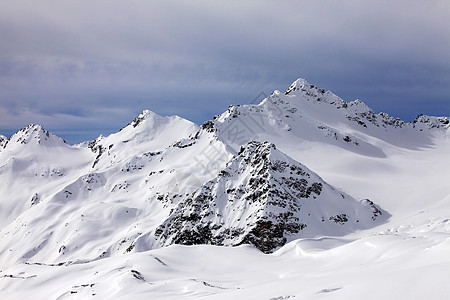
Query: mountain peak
{"x": 299, "y": 84}
{"x": 35, "y": 134}
{"x": 144, "y": 115}
{"x": 309, "y": 90}
{"x": 153, "y": 119}
{"x": 359, "y": 106}
{"x": 150, "y": 123}
{"x": 263, "y": 198}
{"x": 147, "y": 132}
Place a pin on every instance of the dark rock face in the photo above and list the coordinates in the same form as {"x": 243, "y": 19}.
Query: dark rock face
{"x": 139, "y": 119}
{"x": 3, "y": 141}
{"x": 432, "y": 122}
{"x": 266, "y": 236}
{"x": 341, "y": 219}
{"x": 208, "y": 126}
{"x": 257, "y": 199}
{"x": 97, "y": 148}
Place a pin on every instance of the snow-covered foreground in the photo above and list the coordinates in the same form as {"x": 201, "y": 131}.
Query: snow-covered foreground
{"x": 106, "y": 220}
{"x": 405, "y": 263}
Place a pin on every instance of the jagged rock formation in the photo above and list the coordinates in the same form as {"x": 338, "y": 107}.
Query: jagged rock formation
{"x": 266, "y": 199}
{"x": 3, "y": 141}
{"x": 432, "y": 122}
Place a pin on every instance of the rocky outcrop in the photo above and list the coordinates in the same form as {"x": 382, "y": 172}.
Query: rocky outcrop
{"x": 266, "y": 199}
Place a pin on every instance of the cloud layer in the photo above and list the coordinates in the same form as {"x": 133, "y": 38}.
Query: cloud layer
{"x": 84, "y": 69}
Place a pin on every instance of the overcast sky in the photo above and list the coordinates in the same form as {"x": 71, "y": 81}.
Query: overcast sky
{"x": 83, "y": 68}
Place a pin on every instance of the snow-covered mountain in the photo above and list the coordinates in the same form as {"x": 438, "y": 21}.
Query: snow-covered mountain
{"x": 308, "y": 113}
{"x": 292, "y": 174}
{"x": 148, "y": 132}
{"x": 266, "y": 199}
{"x": 33, "y": 163}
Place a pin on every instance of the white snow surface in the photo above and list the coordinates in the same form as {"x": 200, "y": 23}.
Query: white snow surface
{"x": 79, "y": 222}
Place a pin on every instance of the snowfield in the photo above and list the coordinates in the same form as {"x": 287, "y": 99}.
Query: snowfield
{"x": 303, "y": 196}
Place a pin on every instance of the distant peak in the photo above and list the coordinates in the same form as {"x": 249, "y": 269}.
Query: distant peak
{"x": 147, "y": 114}
{"x": 144, "y": 115}
{"x": 299, "y": 84}
{"x": 153, "y": 119}
{"x": 302, "y": 85}
{"x": 34, "y": 132}
{"x": 33, "y": 129}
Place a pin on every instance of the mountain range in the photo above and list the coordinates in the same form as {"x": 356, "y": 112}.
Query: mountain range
{"x": 300, "y": 172}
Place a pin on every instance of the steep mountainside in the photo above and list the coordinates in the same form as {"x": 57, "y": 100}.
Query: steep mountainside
{"x": 112, "y": 184}
{"x": 33, "y": 165}
{"x": 305, "y": 113}
{"x": 267, "y": 199}
{"x": 292, "y": 174}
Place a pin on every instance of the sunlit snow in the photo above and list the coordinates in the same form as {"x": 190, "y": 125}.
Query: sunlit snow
{"x": 96, "y": 220}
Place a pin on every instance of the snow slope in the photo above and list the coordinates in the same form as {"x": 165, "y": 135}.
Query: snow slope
{"x": 266, "y": 199}
{"x": 89, "y": 221}
{"x": 113, "y": 185}
{"x": 33, "y": 164}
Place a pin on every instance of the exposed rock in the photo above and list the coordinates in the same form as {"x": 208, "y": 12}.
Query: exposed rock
{"x": 263, "y": 198}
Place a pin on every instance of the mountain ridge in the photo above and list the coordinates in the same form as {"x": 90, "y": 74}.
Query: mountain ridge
{"x": 301, "y": 86}
{"x": 264, "y": 199}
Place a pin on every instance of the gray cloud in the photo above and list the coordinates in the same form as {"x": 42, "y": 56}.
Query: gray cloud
{"x": 93, "y": 67}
